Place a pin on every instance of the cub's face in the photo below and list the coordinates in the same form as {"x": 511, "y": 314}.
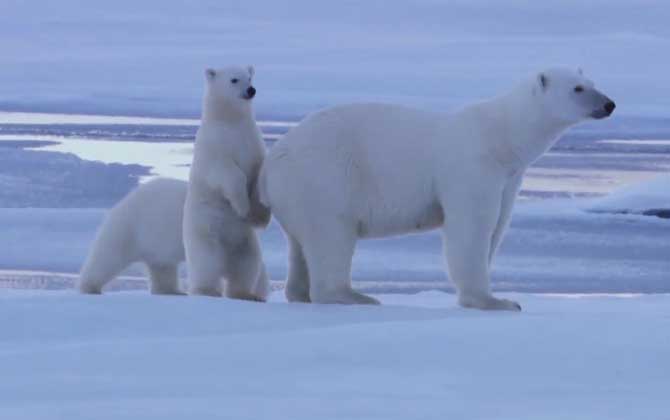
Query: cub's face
{"x": 231, "y": 84}
{"x": 570, "y": 97}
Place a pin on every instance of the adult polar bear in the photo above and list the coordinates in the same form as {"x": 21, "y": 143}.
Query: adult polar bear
{"x": 371, "y": 170}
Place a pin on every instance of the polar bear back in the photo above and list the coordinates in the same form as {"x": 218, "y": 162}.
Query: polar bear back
{"x": 157, "y": 238}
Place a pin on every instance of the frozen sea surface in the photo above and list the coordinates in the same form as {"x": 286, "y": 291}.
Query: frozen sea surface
{"x": 591, "y": 159}
{"x": 553, "y": 244}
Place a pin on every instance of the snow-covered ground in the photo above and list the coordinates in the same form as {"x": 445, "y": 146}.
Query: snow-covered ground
{"x": 134, "y": 356}
{"x": 147, "y": 57}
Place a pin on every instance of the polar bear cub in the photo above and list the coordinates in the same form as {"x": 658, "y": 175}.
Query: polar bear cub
{"x": 146, "y": 226}
{"x": 219, "y": 237}
{"x": 373, "y": 170}
{"x": 141, "y": 227}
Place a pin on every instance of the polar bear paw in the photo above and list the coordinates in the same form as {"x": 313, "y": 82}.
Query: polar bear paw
{"x": 344, "y": 297}
{"x": 489, "y": 303}
{"x": 89, "y": 289}
{"x": 244, "y": 295}
{"x": 205, "y": 291}
{"x": 297, "y": 295}
{"x": 167, "y": 292}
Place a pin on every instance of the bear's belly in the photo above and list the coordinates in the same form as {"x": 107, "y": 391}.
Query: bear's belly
{"x": 382, "y": 221}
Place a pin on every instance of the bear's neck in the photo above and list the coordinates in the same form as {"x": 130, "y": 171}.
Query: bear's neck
{"x": 217, "y": 111}
{"x": 525, "y": 131}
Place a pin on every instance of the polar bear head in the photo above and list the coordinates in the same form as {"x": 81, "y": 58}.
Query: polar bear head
{"x": 229, "y": 87}
{"x": 570, "y": 97}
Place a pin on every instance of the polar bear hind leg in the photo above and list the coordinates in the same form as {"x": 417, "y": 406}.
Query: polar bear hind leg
{"x": 297, "y": 283}
{"x": 329, "y": 265}
{"x": 113, "y": 249}
{"x": 163, "y": 279}
{"x": 242, "y": 266}
{"x": 204, "y": 268}
{"x": 101, "y": 267}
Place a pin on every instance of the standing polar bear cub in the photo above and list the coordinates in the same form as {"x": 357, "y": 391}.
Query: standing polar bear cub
{"x": 221, "y": 209}
{"x": 372, "y": 170}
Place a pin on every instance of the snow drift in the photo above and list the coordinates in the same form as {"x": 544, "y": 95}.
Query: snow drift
{"x": 131, "y": 355}
{"x": 651, "y": 198}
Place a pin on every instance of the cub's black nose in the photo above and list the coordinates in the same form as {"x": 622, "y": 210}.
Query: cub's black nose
{"x": 251, "y": 92}
{"x": 609, "y": 107}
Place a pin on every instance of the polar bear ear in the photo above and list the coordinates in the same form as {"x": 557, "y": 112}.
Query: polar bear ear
{"x": 251, "y": 70}
{"x": 210, "y": 74}
{"x": 580, "y": 71}
{"x": 543, "y": 81}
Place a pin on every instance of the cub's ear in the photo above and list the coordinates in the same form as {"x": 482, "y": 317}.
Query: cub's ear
{"x": 580, "y": 71}
{"x": 210, "y": 74}
{"x": 251, "y": 70}
{"x": 543, "y": 81}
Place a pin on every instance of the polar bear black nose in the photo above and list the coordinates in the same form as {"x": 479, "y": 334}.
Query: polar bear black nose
{"x": 251, "y": 91}
{"x": 609, "y": 107}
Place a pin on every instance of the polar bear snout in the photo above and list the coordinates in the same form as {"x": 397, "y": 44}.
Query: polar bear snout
{"x": 606, "y": 110}
{"x": 251, "y": 92}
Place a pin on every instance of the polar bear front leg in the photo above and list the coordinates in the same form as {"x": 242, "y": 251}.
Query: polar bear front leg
{"x": 469, "y": 225}
{"x": 259, "y": 214}
{"x": 507, "y": 205}
{"x": 262, "y": 288}
{"x": 328, "y": 252}
{"x": 231, "y": 181}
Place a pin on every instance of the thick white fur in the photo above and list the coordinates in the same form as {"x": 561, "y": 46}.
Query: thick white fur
{"x": 141, "y": 227}
{"x": 372, "y": 170}
{"x": 146, "y": 226}
{"x": 220, "y": 211}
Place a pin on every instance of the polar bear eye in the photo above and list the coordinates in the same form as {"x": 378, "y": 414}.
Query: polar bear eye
{"x": 233, "y": 81}
{"x": 579, "y": 89}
